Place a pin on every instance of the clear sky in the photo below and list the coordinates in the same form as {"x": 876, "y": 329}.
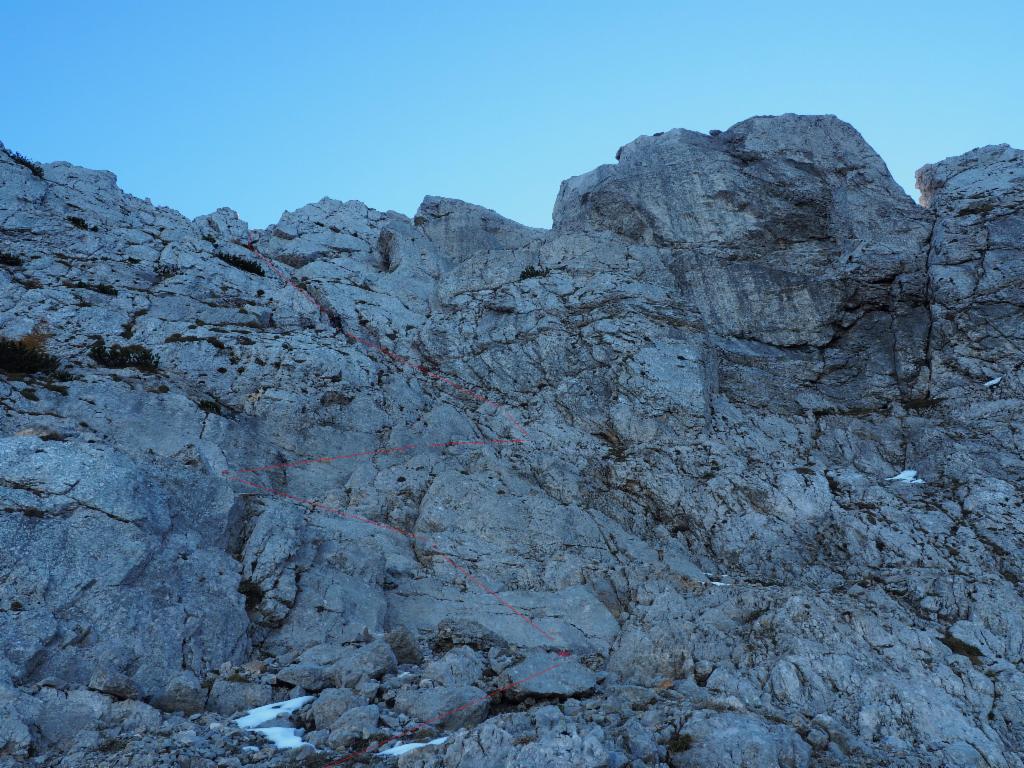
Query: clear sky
{"x": 267, "y": 106}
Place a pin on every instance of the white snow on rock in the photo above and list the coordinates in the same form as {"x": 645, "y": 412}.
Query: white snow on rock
{"x": 401, "y": 749}
{"x": 282, "y": 738}
{"x": 992, "y": 382}
{"x": 907, "y": 476}
{"x": 260, "y": 715}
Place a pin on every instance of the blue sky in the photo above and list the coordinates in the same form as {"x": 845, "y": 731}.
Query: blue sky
{"x": 267, "y": 106}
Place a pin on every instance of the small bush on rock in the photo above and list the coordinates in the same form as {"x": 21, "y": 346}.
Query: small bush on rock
{"x": 238, "y": 262}
{"x": 10, "y": 261}
{"x": 104, "y": 288}
{"x": 680, "y": 742}
{"x": 36, "y": 168}
{"x": 532, "y": 271}
{"x": 166, "y": 271}
{"x": 117, "y": 356}
{"x": 27, "y": 355}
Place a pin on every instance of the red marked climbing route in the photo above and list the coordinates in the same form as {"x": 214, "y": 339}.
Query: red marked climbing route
{"x": 243, "y": 476}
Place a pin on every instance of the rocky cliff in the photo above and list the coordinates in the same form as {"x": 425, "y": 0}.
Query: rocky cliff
{"x": 724, "y": 469}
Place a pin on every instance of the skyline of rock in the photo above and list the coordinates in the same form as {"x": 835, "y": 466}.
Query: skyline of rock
{"x": 668, "y": 438}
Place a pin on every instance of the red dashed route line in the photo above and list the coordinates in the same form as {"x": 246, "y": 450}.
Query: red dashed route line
{"x": 235, "y": 475}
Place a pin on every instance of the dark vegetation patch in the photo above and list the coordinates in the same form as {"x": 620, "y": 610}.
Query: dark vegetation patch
{"x": 532, "y": 271}
{"x": 616, "y": 448}
{"x": 238, "y": 262}
{"x": 130, "y": 356}
{"x": 177, "y": 338}
{"x": 679, "y": 742}
{"x": 10, "y": 261}
{"x": 27, "y": 355}
{"x": 961, "y": 648}
{"x": 210, "y": 406}
{"x": 165, "y": 271}
{"x": 80, "y": 223}
{"x": 104, "y": 288}
{"x": 20, "y": 159}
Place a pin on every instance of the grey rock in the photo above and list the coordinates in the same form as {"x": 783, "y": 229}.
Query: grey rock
{"x": 460, "y": 666}
{"x": 369, "y": 662}
{"x": 228, "y": 697}
{"x": 312, "y": 677}
{"x": 547, "y": 674}
{"x": 461, "y": 230}
{"x": 353, "y": 725}
{"x": 114, "y": 683}
{"x": 715, "y": 360}
{"x": 183, "y": 693}
{"x": 331, "y": 704}
{"x": 730, "y": 739}
{"x": 447, "y": 707}
{"x": 404, "y": 645}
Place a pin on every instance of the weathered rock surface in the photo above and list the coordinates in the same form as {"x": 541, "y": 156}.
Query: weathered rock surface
{"x": 617, "y": 493}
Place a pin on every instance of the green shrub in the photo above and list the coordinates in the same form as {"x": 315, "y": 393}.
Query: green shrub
{"x": 78, "y": 221}
{"x": 103, "y": 288}
{"x": 240, "y": 263}
{"x": 26, "y": 356}
{"x": 165, "y": 271}
{"x": 36, "y": 168}
{"x": 532, "y": 271}
{"x": 117, "y": 356}
{"x": 680, "y": 742}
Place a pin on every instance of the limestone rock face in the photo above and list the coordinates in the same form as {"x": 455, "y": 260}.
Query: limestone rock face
{"x": 722, "y": 469}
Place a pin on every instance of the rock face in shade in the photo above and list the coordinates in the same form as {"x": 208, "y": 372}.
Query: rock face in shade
{"x": 617, "y": 493}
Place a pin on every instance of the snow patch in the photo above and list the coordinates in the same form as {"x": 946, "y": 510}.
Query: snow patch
{"x": 907, "y": 476}
{"x": 401, "y": 749}
{"x": 282, "y": 738}
{"x": 992, "y": 382}
{"x": 279, "y": 736}
{"x": 261, "y": 715}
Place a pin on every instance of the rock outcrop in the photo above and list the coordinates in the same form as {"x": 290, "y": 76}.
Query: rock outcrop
{"x": 723, "y": 469}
